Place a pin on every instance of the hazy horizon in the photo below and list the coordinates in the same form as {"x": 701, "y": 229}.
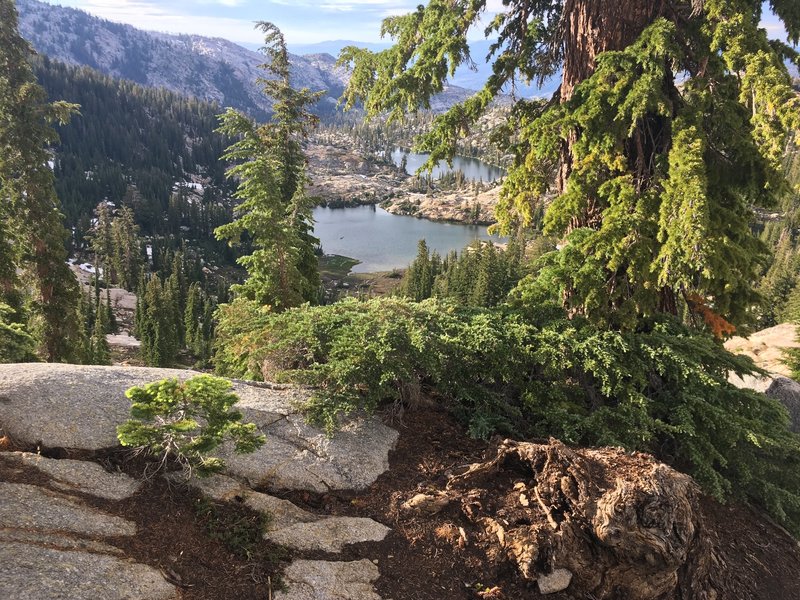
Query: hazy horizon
{"x": 303, "y": 22}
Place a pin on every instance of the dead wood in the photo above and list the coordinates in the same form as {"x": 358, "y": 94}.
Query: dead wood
{"x": 625, "y": 525}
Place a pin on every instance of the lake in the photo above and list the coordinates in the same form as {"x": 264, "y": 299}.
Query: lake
{"x": 473, "y": 169}
{"x": 383, "y": 241}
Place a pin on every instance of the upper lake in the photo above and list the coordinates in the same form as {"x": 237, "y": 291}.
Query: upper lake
{"x": 383, "y": 241}
{"x": 473, "y": 169}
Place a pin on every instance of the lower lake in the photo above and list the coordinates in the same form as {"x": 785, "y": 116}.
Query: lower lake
{"x": 473, "y": 169}
{"x": 383, "y": 241}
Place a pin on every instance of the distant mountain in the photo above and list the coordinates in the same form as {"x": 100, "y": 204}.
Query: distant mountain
{"x": 210, "y": 69}
{"x": 465, "y": 77}
{"x": 130, "y": 145}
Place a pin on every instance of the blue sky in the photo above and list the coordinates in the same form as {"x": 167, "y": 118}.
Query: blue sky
{"x": 302, "y": 21}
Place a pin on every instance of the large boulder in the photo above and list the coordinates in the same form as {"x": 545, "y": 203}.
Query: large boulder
{"x": 787, "y": 392}
{"x": 784, "y": 390}
{"x": 766, "y": 347}
{"x": 72, "y": 406}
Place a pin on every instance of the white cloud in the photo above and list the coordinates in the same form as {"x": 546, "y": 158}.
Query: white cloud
{"x": 362, "y": 6}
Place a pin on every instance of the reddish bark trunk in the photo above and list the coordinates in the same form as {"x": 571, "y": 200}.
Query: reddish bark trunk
{"x": 594, "y": 26}
{"x": 590, "y": 28}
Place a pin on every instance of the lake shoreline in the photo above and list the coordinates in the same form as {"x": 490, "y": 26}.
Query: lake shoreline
{"x": 383, "y": 241}
{"x": 410, "y": 208}
{"x": 344, "y": 178}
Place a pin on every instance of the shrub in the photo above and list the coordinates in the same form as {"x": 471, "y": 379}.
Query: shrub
{"x": 528, "y": 372}
{"x": 16, "y": 344}
{"x": 186, "y": 421}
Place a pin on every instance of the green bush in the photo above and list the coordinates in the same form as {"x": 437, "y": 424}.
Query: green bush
{"x": 526, "y": 372}
{"x": 186, "y": 421}
{"x": 16, "y": 344}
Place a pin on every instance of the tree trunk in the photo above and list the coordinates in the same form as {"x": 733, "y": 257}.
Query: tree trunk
{"x": 607, "y": 523}
{"x": 590, "y": 28}
{"x": 594, "y": 26}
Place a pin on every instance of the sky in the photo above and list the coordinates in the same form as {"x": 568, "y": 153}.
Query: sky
{"x": 302, "y": 21}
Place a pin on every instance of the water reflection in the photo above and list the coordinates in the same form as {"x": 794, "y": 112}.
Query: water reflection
{"x": 383, "y": 241}
{"x": 472, "y": 168}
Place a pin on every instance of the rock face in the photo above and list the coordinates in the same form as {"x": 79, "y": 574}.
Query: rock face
{"x": 323, "y": 580}
{"x": 77, "y": 475}
{"x": 32, "y": 508}
{"x": 599, "y": 523}
{"x": 31, "y": 571}
{"x": 784, "y": 390}
{"x": 54, "y": 546}
{"x": 787, "y": 392}
{"x": 71, "y": 406}
{"x": 765, "y": 347}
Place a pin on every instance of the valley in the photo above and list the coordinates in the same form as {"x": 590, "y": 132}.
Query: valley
{"x": 250, "y": 349}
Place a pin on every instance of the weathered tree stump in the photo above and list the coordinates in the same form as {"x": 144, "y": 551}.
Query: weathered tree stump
{"x": 623, "y": 524}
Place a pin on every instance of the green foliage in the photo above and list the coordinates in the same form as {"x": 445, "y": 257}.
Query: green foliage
{"x": 238, "y": 338}
{"x": 187, "y": 421}
{"x": 134, "y": 143}
{"x": 199, "y": 324}
{"x": 527, "y": 370}
{"x": 649, "y": 182}
{"x": 16, "y": 344}
{"x": 32, "y": 237}
{"x": 274, "y": 212}
{"x": 240, "y": 530}
{"x": 480, "y": 276}
{"x": 157, "y": 315}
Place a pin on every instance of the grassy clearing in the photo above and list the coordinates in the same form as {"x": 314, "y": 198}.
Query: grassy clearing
{"x": 334, "y": 265}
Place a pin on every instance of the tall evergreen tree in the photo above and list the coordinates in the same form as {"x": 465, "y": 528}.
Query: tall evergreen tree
{"x": 101, "y": 240}
{"x": 653, "y": 175}
{"x": 156, "y": 323}
{"x": 127, "y": 252}
{"x": 33, "y": 233}
{"x": 274, "y": 213}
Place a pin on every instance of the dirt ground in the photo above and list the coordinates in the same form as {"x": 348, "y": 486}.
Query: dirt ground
{"x": 427, "y": 558}
{"x": 210, "y": 552}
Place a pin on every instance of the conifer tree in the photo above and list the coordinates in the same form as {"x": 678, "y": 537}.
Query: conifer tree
{"x": 192, "y": 319}
{"x": 102, "y": 242}
{"x": 98, "y": 350}
{"x": 274, "y": 212}
{"x": 33, "y": 234}
{"x": 127, "y": 254}
{"x": 156, "y": 324}
{"x": 653, "y": 175}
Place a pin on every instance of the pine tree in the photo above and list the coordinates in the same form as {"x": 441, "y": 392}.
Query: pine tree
{"x": 33, "y": 234}
{"x": 127, "y": 254}
{"x": 98, "y": 350}
{"x": 102, "y": 242}
{"x": 653, "y": 177}
{"x": 192, "y": 319}
{"x": 274, "y": 212}
{"x": 156, "y": 324}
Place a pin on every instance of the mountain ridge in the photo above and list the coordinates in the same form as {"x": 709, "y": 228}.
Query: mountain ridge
{"x": 212, "y": 69}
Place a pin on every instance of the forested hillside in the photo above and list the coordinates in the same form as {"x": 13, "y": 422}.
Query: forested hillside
{"x": 206, "y": 68}
{"x": 130, "y": 145}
